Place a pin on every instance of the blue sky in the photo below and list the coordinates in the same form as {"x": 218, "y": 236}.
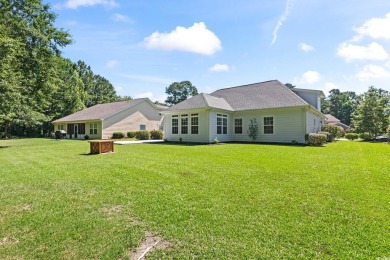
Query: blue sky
{"x": 142, "y": 46}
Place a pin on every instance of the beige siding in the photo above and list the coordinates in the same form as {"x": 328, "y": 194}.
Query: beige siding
{"x": 288, "y": 125}
{"x": 131, "y": 118}
{"x": 202, "y": 136}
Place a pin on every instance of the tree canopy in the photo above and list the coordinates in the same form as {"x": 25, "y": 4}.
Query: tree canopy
{"x": 180, "y": 91}
{"x": 38, "y": 85}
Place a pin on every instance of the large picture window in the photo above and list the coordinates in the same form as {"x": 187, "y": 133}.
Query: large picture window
{"x": 184, "y": 124}
{"x": 175, "y": 124}
{"x": 194, "y": 124}
{"x": 238, "y": 125}
{"x": 269, "y": 125}
{"x": 221, "y": 124}
{"x": 93, "y": 128}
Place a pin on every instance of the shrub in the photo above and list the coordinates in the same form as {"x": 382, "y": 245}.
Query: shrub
{"x": 118, "y": 135}
{"x": 156, "y": 134}
{"x": 142, "y": 135}
{"x": 366, "y": 136}
{"x": 336, "y": 131}
{"x": 86, "y": 137}
{"x": 316, "y": 139}
{"x": 351, "y": 136}
{"x": 131, "y": 134}
{"x": 216, "y": 141}
{"x": 329, "y": 136}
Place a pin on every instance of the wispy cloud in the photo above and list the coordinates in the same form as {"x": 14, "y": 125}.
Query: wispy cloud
{"x": 305, "y": 47}
{"x": 122, "y": 18}
{"x": 197, "y": 39}
{"x": 287, "y": 9}
{"x": 73, "y": 4}
{"x": 112, "y": 64}
{"x": 219, "y": 68}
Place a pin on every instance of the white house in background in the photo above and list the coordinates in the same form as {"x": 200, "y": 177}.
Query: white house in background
{"x": 283, "y": 115}
{"x": 102, "y": 120}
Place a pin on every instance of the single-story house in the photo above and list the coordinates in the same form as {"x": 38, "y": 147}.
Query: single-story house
{"x": 283, "y": 115}
{"x": 332, "y": 120}
{"x": 102, "y": 120}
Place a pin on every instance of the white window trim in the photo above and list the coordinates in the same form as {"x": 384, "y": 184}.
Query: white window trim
{"x": 242, "y": 125}
{"x": 273, "y": 121}
{"x": 194, "y": 115}
{"x": 223, "y": 116}
{"x": 94, "y": 127}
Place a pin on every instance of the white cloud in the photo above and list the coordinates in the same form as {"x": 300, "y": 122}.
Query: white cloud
{"x": 309, "y": 77}
{"x": 73, "y": 4}
{"x": 377, "y": 28}
{"x": 219, "y": 68}
{"x": 373, "y": 51}
{"x": 112, "y": 64}
{"x": 287, "y": 9}
{"x": 328, "y": 86}
{"x": 387, "y": 64}
{"x": 372, "y": 72}
{"x": 122, "y": 18}
{"x": 306, "y": 47}
{"x": 152, "y": 97}
{"x": 197, "y": 39}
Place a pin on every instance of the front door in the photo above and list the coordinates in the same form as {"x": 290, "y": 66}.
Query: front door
{"x": 76, "y": 131}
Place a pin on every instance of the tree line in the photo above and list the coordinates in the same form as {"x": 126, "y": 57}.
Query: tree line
{"x": 37, "y": 84}
{"x": 365, "y": 113}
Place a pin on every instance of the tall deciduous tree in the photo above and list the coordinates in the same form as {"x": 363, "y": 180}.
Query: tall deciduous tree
{"x": 372, "y": 114}
{"x": 180, "y": 91}
{"x": 340, "y": 104}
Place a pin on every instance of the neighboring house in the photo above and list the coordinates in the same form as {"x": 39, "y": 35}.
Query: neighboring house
{"x": 102, "y": 120}
{"x": 335, "y": 121}
{"x": 283, "y": 115}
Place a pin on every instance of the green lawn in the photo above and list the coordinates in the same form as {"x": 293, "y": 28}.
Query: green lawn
{"x": 223, "y": 201}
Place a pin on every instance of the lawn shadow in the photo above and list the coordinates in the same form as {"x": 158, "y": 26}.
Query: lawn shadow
{"x": 225, "y": 143}
{"x": 7, "y": 146}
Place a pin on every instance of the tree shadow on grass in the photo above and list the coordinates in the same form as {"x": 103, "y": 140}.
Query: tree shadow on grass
{"x": 5, "y": 146}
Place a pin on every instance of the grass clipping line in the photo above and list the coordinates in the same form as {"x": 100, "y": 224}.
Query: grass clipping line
{"x": 147, "y": 245}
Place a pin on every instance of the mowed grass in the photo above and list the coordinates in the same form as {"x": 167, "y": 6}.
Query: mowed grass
{"x": 228, "y": 201}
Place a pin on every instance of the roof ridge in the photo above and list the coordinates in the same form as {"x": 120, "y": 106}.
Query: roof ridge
{"x": 204, "y": 98}
{"x": 246, "y": 85}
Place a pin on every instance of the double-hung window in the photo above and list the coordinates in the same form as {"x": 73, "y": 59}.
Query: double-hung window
{"x": 238, "y": 125}
{"x": 268, "y": 125}
{"x": 194, "y": 124}
{"x": 60, "y": 127}
{"x": 93, "y": 128}
{"x": 184, "y": 124}
{"x": 221, "y": 124}
{"x": 175, "y": 124}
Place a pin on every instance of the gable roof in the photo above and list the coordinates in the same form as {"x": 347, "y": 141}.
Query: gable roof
{"x": 202, "y": 101}
{"x": 268, "y": 94}
{"x": 331, "y": 119}
{"x": 101, "y": 111}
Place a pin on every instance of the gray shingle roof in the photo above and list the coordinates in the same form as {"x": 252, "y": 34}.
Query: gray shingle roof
{"x": 100, "y": 111}
{"x": 331, "y": 119}
{"x": 202, "y": 101}
{"x": 268, "y": 94}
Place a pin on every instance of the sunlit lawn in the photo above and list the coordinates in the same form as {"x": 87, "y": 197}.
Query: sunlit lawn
{"x": 209, "y": 201}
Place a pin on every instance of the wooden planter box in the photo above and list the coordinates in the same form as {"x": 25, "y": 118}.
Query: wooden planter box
{"x": 101, "y": 146}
